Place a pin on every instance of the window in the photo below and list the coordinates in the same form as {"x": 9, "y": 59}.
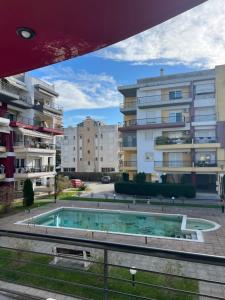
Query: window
{"x": 89, "y": 163}
{"x": 74, "y": 159}
{"x": 81, "y": 158}
{"x": 80, "y": 148}
{"x": 101, "y": 158}
{"x": 88, "y": 140}
{"x": 96, "y": 158}
{"x": 65, "y": 137}
{"x": 74, "y": 137}
{"x": 80, "y": 136}
{"x": 89, "y": 151}
{"x": 96, "y": 136}
{"x": 101, "y": 135}
{"x": 65, "y": 169}
{"x": 88, "y": 129}
{"x": 101, "y": 147}
{"x": 175, "y": 117}
{"x": 74, "y": 148}
{"x": 173, "y": 95}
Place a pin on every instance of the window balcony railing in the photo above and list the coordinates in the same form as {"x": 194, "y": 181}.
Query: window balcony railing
{"x": 31, "y": 169}
{"x": 205, "y": 140}
{"x": 127, "y": 144}
{"x": 204, "y": 118}
{"x": 130, "y": 163}
{"x": 132, "y": 105}
{"x": 173, "y": 164}
{"x": 163, "y": 140}
{"x": 161, "y": 99}
{"x": 160, "y": 120}
{"x": 118, "y": 271}
{"x": 36, "y": 145}
{"x": 42, "y": 104}
{"x": 206, "y": 163}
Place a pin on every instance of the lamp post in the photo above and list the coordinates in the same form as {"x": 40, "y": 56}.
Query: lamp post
{"x": 133, "y": 272}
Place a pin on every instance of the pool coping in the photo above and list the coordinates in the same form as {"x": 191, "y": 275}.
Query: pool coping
{"x": 199, "y": 233}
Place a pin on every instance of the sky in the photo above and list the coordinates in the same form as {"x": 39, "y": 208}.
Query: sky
{"x": 87, "y": 85}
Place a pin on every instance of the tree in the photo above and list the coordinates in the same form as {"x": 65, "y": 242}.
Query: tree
{"x": 28, "y": 193}
{"x": 6, "y": 197}
{"x": 62, "y": 183}
{"x": 125, "y": 177}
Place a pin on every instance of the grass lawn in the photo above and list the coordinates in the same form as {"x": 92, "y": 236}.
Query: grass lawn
{"x": 17, "y": 206}
{"x": 14, "y": 265}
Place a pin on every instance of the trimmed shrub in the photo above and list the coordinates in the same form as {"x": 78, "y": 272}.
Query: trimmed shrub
{"x": 140, "y": 178}
{"x": 125, "y": 176}
{"x": 28, "y": 193}
{"x": 154, "y": 189}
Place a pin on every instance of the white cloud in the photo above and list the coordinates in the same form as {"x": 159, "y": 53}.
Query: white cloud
{"x": 82, "y": 89}
{"x": 196, "y": 37}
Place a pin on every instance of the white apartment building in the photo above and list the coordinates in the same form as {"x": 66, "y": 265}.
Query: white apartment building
{"x": 175, "y": 125}
{"x": 92, "y": 146}
{"x": 34, "y": 120}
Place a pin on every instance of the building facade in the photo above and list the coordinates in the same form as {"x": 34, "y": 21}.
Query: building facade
{"x": 175, "y": 125}
{"x": 29, "y": 122}
{"x": 92, "y": 146}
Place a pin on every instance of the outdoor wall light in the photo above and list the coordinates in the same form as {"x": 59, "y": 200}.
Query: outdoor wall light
{"x": 133, "y": 272}
{"x": 25, "y": 33}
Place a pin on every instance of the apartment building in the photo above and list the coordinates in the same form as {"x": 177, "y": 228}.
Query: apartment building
{"x": 175, "y": 125}
{"x": 92, "y": 146}
{"x": 29, "y": 122}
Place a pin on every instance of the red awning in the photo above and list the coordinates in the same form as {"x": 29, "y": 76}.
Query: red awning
{"x": 68, "y": 28}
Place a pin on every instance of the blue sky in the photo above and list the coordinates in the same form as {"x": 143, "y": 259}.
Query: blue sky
{"x": 88, "y": 85}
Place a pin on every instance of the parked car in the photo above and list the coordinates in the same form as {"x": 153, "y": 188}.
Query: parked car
{"x": 77, "y": 183}
{"x": 106, "y": 179}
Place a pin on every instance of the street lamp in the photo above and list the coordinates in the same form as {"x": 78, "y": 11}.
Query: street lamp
{"x": 133, "y": 272}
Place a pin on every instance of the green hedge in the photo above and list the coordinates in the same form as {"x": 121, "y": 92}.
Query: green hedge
{"x": 155, "y": 189}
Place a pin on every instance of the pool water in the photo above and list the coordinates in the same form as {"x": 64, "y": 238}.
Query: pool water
{"x": 124, "y": 222}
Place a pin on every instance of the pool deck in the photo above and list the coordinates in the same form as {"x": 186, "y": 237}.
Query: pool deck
{"x": 213, "y": 244}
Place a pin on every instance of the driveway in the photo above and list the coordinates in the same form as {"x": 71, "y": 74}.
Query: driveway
{"x": 99, "y": 189}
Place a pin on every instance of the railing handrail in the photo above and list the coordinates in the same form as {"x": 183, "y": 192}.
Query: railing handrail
{"x": 119, "y": 247}
{"x": 31, "y": 144}
{"x": 163, "y": 97}
{"x": 34, "y": 169}
{"x": 51, "y": 105}
{"x": 157, "y": 120}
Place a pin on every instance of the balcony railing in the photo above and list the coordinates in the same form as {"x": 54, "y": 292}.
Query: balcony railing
{"x": 205, "y": 140}
{"x": 173, "y": 164}
{"x": 160, "y": 120}
{"x": 42, "y": 105}
{"x": 162, "y": 99}
{"x": 206, "y": 163}
{"x": 163, "y": 140}
{"x": 5, "y": 86}
{"x": 36, "y": 145}
{"x": 31, "y": 169}
{"x": 132, "y": 163}
{"x": 128, "y": 105}
{"x": 105, "y": 271}
{"x": 204, "y": 118}
{"x": 129, "y": 144}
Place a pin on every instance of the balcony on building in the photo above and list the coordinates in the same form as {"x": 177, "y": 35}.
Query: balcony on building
{"x": 2, "y": 173}
{"x": 128, "y": 107}
{"x": 32, "y": 171}
{"x": 177, "y": 120}
{"x": 129, "y": 165}
{"x": 7, "y": 91}
{"x": 28, "y": 141}
{"x": 4, "y": 129}
{"x": 44, "y": 105}
{"x": 186, "y": 142}
{"x": 172, "y": 98}
{"x": 15, "y": 92}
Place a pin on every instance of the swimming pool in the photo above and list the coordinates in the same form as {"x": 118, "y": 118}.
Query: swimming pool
{"x": 124, "y": 222}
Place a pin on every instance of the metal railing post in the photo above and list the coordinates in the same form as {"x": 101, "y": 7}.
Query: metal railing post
{"x": 106, "y": 273}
